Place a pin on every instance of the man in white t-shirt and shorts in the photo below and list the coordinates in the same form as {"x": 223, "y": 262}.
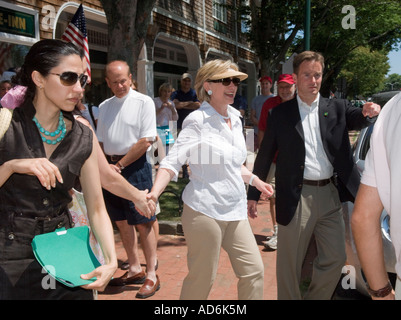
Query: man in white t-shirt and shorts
{"x": 126, "y": 128}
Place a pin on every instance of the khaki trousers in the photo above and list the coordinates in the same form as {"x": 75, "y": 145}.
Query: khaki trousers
{"x": 205, "y": 237}
{"x": 319, "y": 212}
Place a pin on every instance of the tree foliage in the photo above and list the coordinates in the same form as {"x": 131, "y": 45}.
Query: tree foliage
{"x": 392, "y": 82}
{"x": 277, "y": 31}
{"x": 273, "y": 26}
{"x": 377, "y": 26}
{"x": 364, "y": 72}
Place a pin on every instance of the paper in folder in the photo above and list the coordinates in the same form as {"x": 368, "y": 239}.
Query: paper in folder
{"x": 66, "y": 254}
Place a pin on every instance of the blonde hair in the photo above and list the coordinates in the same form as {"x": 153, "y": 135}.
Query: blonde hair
{"x": 165, "y": 87}
{"x": 207, "y": 71}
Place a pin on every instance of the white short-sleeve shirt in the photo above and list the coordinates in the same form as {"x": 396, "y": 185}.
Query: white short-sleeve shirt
{"x": 383, "y": 167}
{"x": 123, "y": 121}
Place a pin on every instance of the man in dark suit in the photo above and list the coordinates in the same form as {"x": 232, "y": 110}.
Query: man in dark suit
{"x": 314, "y": 169}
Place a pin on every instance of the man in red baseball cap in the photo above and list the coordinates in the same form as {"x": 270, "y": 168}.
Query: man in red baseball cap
{"x": 267, "y": 78}
{"x": 286, "y": 91}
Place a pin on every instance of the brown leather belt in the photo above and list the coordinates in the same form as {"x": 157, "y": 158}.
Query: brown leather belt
{"x": 317, "y": 183}
{"x": 114, "y": 158}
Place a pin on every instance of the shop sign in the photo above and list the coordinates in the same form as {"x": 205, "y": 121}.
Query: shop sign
{"x": 17, "y": 22}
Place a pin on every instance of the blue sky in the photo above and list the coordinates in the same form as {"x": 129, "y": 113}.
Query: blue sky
{"x": 395, "y": 62}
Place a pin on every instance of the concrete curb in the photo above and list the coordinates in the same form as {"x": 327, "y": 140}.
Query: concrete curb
{"x": 170, "y": 227}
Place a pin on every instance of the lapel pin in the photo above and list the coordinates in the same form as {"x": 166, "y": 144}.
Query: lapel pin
{"x": 326, "y": 114}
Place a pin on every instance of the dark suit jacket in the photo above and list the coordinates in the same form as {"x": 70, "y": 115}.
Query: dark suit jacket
{"x": 284, "y": 133}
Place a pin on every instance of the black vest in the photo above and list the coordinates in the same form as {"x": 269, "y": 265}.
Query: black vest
{"x": 26, "y": 207}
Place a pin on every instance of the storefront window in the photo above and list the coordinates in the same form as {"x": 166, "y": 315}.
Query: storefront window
{"x": 11, "y": 58}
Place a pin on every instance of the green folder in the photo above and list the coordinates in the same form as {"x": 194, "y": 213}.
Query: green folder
{"x": 66, "y": 254}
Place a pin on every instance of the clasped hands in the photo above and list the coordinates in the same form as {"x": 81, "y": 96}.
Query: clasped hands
{"x": 167, "y": 105}
{"x": 144, "y": 205}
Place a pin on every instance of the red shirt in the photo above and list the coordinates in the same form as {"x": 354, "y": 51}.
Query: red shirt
{"x": 268, "y": 105}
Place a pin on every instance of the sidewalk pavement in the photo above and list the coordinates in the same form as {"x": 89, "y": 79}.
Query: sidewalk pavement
{"x": 172, "y": 269}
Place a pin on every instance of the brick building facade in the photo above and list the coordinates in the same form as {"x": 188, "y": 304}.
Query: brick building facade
{"x": 182, "y": 36}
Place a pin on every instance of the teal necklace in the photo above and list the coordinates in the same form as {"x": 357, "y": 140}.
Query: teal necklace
{"x": 59, "y": 132}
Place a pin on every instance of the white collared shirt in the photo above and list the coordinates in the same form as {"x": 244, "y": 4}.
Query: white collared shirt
{"x": 317, "y": 165}
{"x": 215, "y": 154}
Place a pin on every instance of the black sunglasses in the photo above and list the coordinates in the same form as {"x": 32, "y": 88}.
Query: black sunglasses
{"x": 226, "y": 81}
{"x": 70, "y": 78}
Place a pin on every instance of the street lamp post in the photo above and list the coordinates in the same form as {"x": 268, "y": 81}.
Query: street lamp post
{"x": 307, "y": 25}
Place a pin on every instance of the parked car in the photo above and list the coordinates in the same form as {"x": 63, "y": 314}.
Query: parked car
{"x": 360, "y": 149}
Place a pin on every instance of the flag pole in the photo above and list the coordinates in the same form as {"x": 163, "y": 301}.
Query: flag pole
{"x": 307, "y": 25}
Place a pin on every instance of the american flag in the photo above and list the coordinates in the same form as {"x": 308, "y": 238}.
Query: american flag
{"x": 76, "y": 33}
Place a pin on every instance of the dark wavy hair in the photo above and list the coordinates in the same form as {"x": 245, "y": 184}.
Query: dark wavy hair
{"x": 43, "y": 56}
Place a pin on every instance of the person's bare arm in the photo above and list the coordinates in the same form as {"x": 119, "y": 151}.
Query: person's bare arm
{"x": 163, "y": 177}
{"x": 99, "y": 221}
{"x": 254, "y": 120}
{"x": 365, "y": 224}
{"x": 136, "y": 151}
{"x": 190, "y": 105}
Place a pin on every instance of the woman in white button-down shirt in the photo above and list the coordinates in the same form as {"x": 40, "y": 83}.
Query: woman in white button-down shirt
{"x": 215, "y": 210}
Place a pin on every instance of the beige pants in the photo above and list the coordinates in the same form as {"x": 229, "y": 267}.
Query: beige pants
{"x": 319, "y": 212}
{"x": 205, "y": 237}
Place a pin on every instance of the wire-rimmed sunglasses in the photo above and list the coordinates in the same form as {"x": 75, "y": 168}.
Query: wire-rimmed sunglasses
{"x": 70, "y": 78}
{"x": 226, "y": 81}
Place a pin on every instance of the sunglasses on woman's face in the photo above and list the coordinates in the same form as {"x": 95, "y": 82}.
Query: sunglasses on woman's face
{"x": 226, "y": 81}
{"x": 70, "y": 78}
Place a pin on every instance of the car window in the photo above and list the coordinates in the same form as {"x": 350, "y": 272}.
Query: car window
{"x": 365, "y": 143}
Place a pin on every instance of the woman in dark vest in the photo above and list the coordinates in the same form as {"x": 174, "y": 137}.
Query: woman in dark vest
{"x": 42, "y": 153}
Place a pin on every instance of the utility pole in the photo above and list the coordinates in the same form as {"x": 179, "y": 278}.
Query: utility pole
{"x": 307, "y": 25}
